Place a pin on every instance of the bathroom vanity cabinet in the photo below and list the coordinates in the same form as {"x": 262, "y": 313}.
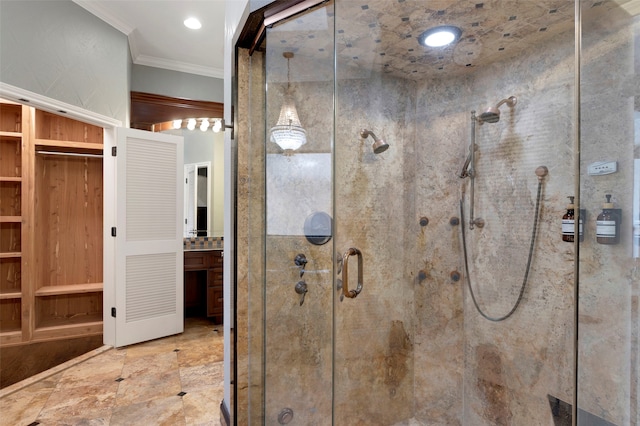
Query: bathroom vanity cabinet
{"x": 51, "y": 226}
{"x": 203, "y": 277}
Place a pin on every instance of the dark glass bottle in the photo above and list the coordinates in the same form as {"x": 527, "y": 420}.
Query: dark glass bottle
{"x": 608, "y": 224}
{"x": 569, "y": 224}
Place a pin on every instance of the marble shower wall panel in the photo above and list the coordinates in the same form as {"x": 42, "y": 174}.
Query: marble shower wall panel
{"x": 298, "y": 337}
{"x": 608, "y": 373}
{"x": 509, "y": 367}
{"x": 528, "y": 356}
{"x": 250, "y": 238}
{"x": 442, "y": 123}
{"x": 374, "y": 197}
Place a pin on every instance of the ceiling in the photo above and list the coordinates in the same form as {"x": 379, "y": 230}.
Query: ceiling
{"x": 158, "y": 38}
{"x": 382, "y": 35}
{"x": 370, "y": 34}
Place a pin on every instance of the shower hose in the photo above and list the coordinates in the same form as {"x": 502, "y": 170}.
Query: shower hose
{"x": 526, "y": 273}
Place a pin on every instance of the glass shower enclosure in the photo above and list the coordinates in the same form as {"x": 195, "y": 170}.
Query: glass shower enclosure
{"x": 405, "y": 252}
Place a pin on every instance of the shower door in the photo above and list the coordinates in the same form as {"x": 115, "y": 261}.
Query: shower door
{"x": 295, "y": 147}
{"x": 336, "y": 216}
{"x": 375, "y": 213}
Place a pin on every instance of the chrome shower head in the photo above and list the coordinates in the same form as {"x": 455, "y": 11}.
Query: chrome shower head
{"x": 492, "y": 114}
{"x": 379, "y": 145}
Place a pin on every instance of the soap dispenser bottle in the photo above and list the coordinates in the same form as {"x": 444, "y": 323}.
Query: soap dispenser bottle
{"x": 569, "y": 223}
{"x": 608, "y": 224}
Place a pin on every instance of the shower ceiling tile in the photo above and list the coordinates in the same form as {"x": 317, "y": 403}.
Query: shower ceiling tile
{"x": 383, "y": 34}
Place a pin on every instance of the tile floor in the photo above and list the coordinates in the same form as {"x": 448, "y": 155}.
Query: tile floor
{"x": 177, "y": 380}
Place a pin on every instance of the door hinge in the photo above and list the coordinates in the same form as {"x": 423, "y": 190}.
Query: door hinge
{"x": 113, "y": 312}
{"x": 114, "y": 151}
{"x": 113, "y": 231}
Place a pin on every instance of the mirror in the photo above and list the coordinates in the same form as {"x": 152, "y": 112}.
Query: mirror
{"x": 197, "y": 199}
{"x": 153, "y": 112}
{"x": 204, "y": 159}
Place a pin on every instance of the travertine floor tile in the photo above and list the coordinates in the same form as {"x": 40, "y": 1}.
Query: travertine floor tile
{"x": 164, "y": 411}
{"x": 202, "y": 376}
{"x": 139, "y": 384}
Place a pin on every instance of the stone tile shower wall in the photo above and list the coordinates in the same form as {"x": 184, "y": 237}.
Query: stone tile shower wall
{"x": 609, "y": 278}
{"x": 374, "y": 197}
{"x": 298, "y": 336}
{"x": 250, "y": 225}
{"x": 509, "y": 367}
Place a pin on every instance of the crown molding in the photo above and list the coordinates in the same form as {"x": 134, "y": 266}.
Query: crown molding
{"x": 152, "y": 61}
{"x": 102, "y": 13}
{"x": 99, "y": 11}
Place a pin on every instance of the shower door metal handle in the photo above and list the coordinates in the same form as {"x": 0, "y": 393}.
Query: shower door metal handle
{"x": 345, "y": 273}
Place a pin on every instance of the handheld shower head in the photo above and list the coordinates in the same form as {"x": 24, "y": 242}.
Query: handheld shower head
{"x": 465, "y": 172}
{"x": 492, "y": 114}
{"x": 379, "y": 145}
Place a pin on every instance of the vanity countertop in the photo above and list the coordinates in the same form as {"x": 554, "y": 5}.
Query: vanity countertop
{"x": 203, "y": 243}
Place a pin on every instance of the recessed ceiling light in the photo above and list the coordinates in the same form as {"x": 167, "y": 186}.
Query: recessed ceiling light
{"x": 440, "y": 36}
{"x": 192, "y": 23}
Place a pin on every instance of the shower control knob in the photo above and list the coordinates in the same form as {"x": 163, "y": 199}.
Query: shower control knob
{"x": 301, "y": 289}
{"x": 300, "y": 260}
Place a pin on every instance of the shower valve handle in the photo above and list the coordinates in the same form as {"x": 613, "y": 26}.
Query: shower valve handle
{"x": 301, "y": 289}
{"x": 300, "y": 260}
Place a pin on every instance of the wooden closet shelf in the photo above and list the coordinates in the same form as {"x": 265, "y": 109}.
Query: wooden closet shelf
{"x": 12, "y": 295}
{"x": 55, "y": 290}
{"x": 10, "y": 134}
{"x": 12, "y": 219}
{"x": 69, "y": 146}
{"x": 10, "y": 179}
{"x": 11, "y": 337}
{"x": 83, "y": 325}
{"x": 9, "y": 255}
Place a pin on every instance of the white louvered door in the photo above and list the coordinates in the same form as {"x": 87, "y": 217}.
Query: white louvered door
{"x": 149, "y": 247}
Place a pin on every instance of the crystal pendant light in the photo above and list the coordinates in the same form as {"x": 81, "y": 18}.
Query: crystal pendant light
{"x": 288, "y": 132}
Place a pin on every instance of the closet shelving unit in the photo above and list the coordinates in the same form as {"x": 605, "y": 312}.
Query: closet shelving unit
{"x": 51, "y": 235}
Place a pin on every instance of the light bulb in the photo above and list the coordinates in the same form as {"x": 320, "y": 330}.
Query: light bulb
{"x": 440, "y": 36}
{"x": 204, "y": 125}
{"x": 191, "y": 124}
{"x": 192, "y": 23}
{"x": 217, "y": 126}
{"x": 177, "y": 124}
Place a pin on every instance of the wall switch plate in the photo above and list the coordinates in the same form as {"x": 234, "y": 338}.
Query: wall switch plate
{"x": 602, "y": 168}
